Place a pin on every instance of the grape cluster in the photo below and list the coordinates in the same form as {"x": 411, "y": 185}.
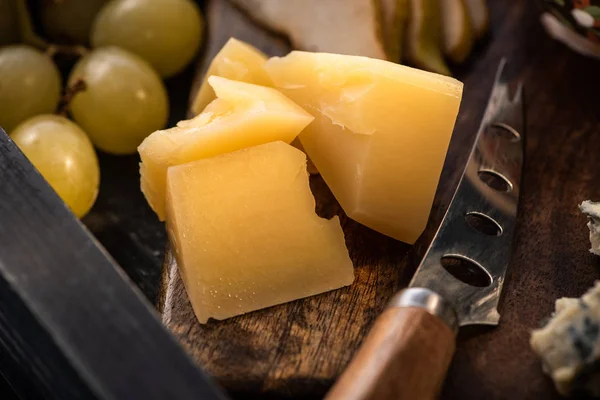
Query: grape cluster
{"x": 113, "y": 92}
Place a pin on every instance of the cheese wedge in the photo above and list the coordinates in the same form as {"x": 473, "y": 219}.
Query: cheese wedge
{"x": 380, "y": 134}
{"x": 310, "y": 166}
{"x": 245, "y": 232}
{"x": 244, "y": 115}
{"x": 241, "y": 62}
{"x": 237, "y": 61}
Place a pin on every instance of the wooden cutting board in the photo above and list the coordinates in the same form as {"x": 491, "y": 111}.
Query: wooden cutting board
{"x": 297, "y": 350}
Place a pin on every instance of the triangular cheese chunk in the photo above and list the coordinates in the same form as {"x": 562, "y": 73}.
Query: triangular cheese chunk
{"x": 246, "y": 235}
{"x": 243, "y": 115}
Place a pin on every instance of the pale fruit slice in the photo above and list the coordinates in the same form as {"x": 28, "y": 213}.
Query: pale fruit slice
{"x": 423, "y": 42}
{"x": 243, "y": 115}
{"x": 237, "y": 61}
{"x": 394, "y": 14}
{"x": 380, "y": 134}
{"x": 480, "y": 17}
{"x": 246, "y": 235}
{"x": 457, "y": 31}
{"x": 348, "y": 27}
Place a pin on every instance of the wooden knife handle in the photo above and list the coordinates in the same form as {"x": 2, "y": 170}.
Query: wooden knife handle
{"x": 405, "y": 356}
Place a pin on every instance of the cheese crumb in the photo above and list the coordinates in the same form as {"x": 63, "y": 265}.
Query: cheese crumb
{"x": 569, "y": 344}
{"x": 592, "y": 210}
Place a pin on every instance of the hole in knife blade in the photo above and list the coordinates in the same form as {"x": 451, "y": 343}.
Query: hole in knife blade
{"x": 483, "y": 223}
{"x": 495, "y": 180}
{"x": 504, "y": 132}
{"x": 466, "y": 270}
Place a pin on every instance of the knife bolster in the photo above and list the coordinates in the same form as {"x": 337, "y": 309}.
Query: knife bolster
{"x": 428, "y": 300}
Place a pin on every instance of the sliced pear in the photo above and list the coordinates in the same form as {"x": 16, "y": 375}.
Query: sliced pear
{"x": 423, "y": 36}
{"x": 456, "y": 30}
{"x": 480, "y": 17}
{"x": 394, "y": 14}
{"x": 237, "y": 61}
{"x": 242, "y": 116}
{"x": 352, "y": 27}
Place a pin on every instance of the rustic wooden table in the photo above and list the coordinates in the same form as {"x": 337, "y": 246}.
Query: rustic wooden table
{"x": 550, "y": 258}
{"x": 562, "y": 168}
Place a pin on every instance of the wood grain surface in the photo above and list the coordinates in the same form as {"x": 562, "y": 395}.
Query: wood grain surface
{"x": 297, "y": 350}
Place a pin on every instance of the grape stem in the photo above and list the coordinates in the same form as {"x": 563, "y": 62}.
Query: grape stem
{"x": 70, "y": 92}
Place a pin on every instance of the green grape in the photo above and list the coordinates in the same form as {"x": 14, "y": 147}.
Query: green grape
{"x": 124, "y": 99}
{"x": 166, "y": 33}
{"x": 30, "y": 84}
{"x": 9, "y": 27}
{"x": 64, "y": 155}
{"x": 69, "y": 21}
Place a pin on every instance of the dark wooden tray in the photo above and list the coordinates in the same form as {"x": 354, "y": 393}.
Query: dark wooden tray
{"x": 298, "y": 349}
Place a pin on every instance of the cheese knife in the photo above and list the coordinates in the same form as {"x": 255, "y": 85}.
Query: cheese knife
{"x": 408, "y": 350}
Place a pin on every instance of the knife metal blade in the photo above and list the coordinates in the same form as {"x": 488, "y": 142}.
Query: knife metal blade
{"x": 70, "y": 320}
{"x": 497, "y": 154}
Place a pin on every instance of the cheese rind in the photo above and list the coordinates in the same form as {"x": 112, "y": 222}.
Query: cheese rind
{"x": 592, "y": 210}
{"x": 243, "y": 115}
{"x": 245, "y": 232}
{"x": 237, "y": 61}
{"x": 380, "y": 134}
{"x": 569, "y": 344}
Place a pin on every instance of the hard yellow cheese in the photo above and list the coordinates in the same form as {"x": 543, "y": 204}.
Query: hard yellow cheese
{"x": 246, "y": 235}
{"x": 237, "y": 61}
{"x": 380, "y": 134}
{"x": 244, "y": 115}
{"x": 242, "y": 62}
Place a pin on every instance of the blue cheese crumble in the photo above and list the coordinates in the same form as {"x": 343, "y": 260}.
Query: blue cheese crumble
{"x": 592, "y": 210}
{"x": 569, "y": 344}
